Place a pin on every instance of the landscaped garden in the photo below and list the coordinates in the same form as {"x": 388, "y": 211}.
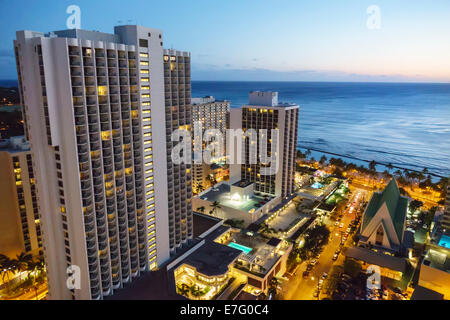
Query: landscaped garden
{"x": 20, "y": 275}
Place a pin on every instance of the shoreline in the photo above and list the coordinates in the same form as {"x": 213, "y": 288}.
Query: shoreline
{"x": 364, "y": 161}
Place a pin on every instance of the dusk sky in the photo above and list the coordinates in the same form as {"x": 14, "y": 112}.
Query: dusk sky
{"x": 266, "y": 40}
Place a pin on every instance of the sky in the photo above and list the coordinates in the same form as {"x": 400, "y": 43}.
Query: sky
{"x": 267, "y": 40}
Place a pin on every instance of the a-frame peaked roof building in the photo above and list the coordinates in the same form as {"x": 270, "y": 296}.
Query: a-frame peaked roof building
{"x": 384, "y": 219}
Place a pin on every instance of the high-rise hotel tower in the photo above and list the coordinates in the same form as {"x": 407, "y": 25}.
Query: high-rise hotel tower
{"x": 265, "y": 112}
{"x": 97, "y": 107}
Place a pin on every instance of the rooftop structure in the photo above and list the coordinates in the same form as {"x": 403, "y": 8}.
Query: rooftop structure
{"x": 235, "y": 202}
{"x": 435, "y": 271}
{"x": 383, "y": 222}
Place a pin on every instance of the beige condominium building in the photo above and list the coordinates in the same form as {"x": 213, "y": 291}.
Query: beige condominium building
{"x": 212, "y": 114}
{"x": 99, "y": 110}
{"x": 265, "y": 112}
{"x": 20, "y": 229}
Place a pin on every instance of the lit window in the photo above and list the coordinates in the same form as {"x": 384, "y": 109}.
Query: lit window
{"x": 148, "y": 157}
{"x": 145, "y": 79}
{"x": 145, "y": 96}
{"x": 144, "y": 63}
{"x": 144, "y": 71}
{"x": 148, "y": 142}
{"x": 145, "y": 104}
{"x": 106, "y": 135}
{"x": 143, "y": 55}
{"x": 146, "y": 111}
{"x": 102, "y": 90}
{"x": 145, "y": 88}
{"x": 146, "y": 119}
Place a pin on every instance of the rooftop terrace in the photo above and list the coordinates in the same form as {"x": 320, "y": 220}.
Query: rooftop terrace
{"x": 221, "y": 194}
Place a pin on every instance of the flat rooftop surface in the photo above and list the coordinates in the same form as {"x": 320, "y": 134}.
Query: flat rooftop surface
{"x": 222, "y": 195}
{"x": 149, "y": 286}
{"x": 212, "y": 258}
{"x": 203, "y": 223}
{"x": 287, "y": 217}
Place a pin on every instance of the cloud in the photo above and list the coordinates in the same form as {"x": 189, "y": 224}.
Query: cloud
{"x": 203, "y": 72}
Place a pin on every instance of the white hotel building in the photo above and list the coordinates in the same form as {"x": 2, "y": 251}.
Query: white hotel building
{"x": 265, "y": 112}
{"x": 99, "y": 110}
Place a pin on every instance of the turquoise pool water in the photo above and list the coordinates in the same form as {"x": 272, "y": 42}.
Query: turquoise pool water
{"x": 445, "y": 241}
{"x": 244, "y": 249}
{"x": 317, "y": 185}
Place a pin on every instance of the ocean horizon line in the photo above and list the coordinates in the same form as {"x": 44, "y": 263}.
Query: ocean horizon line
{"x": 304, "y": 81}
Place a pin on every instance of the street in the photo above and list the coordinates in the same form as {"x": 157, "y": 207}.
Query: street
{"x": 299, "y": 288}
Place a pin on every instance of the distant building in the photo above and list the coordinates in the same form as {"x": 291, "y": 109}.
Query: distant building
{"x": 384, "y": 220}
{"x": 20, "y": 227}
{"x": 213, "y": 114}
{"x": 265, "y": 112}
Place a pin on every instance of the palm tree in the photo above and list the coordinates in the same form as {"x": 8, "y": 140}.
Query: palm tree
{"x": 215, "y": 206}
{"x": 184, "y": 290}
{"x": 201, "y": 209}
{"x": 22, "y": 261}
{"x": 373, "y": 166}
{"x": 200, "y": 188}
{"x": 7, "y": 267}
{"x": 36, "y": 267}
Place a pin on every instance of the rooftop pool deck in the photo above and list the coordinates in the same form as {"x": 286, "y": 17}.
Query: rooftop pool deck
{"x": 222, "y": 195}
{"x": 444, "y": 241}
{"x": 238, "y": 246}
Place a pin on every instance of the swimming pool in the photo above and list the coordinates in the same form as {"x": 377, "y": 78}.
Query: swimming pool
{"x": 445, "y": 242}
{"x": 244, "y": 249}
{"x": 317, "y": 185}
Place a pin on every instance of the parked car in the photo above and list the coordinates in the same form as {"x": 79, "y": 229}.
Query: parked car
{"x": 341, "y": 225}
{"x": 335, "y": 257}
{"x": 305, "y": 274}
{"x": 324, "y": 275}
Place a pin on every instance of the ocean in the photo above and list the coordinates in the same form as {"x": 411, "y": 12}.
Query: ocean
{"x": 406, "y": 124}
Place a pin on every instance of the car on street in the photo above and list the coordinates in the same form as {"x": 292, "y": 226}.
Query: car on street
{"x": 316, "y": 293}
{"x": 341, "y": 225}
{"x": 313, "y": 262}
{"x": 324, "y": 275}
{"x": 335, "y": 257}
{"x": 305, "y": 274}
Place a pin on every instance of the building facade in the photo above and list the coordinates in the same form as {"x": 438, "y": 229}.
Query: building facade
{"x": 446, "y": 218}
{"x": 264, "y": 112}
{"x": 95, "y": 110}
{"x": 20, "y": 229}
{"x": 212, "y": 114}
{"x": 177, "y": 84}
